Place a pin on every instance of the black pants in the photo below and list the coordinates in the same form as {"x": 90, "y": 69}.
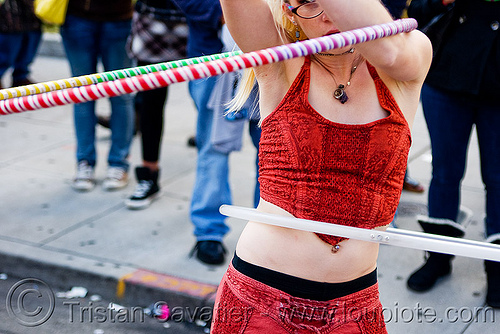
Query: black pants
{"x": 150, "y": 109}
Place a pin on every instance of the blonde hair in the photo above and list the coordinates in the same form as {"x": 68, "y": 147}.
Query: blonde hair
{"x": 287, "y": 31}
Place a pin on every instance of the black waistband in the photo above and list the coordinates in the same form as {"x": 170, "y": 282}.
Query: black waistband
{"x": 300, "y": 287}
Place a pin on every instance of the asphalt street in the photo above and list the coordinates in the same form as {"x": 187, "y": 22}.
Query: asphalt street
{"x": 30, "y": 305}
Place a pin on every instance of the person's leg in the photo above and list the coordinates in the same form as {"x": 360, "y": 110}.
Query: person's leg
{"x": 487, "y": 125}
{"x": 10, "y": 44}
{"x": 449, "y": 121}
{"x": 211, "y": 188}
{"x": 79, "y": 39}
{"x": 112, "y": 41}
{"x": 30, "y": 42}
{"x": 255, "y": 131}
{"x": 150, "y": 106}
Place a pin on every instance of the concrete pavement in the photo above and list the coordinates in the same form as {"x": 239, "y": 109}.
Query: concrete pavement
{"x": 65, "y": 238}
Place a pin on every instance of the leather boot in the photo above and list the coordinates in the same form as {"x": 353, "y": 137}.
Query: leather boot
{"x": 493, "y": 278}
{"x": 437, "y": 265}
{"x": 492, "y": 269}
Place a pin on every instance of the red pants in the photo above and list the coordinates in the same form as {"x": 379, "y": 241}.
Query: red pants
{"x": 244, "y": 305}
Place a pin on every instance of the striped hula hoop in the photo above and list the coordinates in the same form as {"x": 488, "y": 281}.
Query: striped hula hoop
{"x": 203, "y": 70}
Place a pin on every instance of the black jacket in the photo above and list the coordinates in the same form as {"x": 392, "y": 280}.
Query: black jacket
{"x": 101, "y": 10}
{"x": 395, "y": 7}
{"x": 468, "y": 59}
{"x": 18, "y": 16}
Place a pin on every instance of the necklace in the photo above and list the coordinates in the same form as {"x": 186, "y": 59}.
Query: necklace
{"x": 339, "y": 93}
{"x": 351, "y": 50}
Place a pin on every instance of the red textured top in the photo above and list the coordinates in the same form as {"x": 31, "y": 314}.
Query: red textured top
{"x": 325, "y": 171}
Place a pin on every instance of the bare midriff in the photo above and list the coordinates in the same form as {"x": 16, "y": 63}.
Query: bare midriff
{"x": 303, "y": 254}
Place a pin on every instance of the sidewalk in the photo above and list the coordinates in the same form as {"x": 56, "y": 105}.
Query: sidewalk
{"x": 67, "y": 239}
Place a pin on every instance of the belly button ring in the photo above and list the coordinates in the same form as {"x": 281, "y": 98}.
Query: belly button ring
{"x": 335, "y": 249}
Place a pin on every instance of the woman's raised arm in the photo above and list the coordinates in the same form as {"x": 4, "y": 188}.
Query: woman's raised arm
{"x": 404, "y": 57}
{"x": 251, "y": 24}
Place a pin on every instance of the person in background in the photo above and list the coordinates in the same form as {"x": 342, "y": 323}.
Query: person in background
{"x": 97, "y": 31}
{"x": 460, "y": 92}
{"x": 20, "y": 35}
{"x": 211, "y": 188}
{"x": 159, "y": 34}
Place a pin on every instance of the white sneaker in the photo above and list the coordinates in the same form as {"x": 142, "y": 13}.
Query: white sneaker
{"x": 84, "y": 178}
{"x": 116, "y": 178}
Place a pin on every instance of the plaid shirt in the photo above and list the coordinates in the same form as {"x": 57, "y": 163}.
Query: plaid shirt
{"x": 158, "y": 34}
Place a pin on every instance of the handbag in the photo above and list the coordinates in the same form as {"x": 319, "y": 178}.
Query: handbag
{"x": 51, "y": 11}
{"x": 436, "y": 29}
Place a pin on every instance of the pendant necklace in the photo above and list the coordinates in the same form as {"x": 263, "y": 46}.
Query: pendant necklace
{"x": 339, "y": 93}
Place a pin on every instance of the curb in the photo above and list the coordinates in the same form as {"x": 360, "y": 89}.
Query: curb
{"x": 138, "y": 288}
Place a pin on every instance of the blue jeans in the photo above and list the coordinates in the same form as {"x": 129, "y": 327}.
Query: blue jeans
{"x": 211, "y": 188}
{"x": 255, "y": 130}
{"x": 86, "y": 42}
{"x": 450, "y": 118}
{"x": 18, "y": 51}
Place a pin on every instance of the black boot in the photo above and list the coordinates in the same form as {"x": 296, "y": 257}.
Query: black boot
{"x": 493, "y": 277}
{"x": 437, "y": 266}
{"x": 445, "y": 227}
{"x": 492, "y": 269}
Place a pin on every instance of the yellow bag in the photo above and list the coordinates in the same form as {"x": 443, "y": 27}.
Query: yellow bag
{"x": 51, "y": 11}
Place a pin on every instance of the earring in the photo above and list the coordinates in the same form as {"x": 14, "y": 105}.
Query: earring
{"x": 297, "y": 31}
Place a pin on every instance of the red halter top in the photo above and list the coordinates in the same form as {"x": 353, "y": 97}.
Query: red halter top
{"x": 337, "y": 173}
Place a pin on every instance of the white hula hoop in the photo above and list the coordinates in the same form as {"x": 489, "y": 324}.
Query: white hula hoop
{"x": 392, "y": 237}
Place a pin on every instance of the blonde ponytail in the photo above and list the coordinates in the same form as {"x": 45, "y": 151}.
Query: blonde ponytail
{"x": 245, "y": 86}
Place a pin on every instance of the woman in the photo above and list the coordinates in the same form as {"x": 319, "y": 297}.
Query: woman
{"x": 334, "y": 145}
